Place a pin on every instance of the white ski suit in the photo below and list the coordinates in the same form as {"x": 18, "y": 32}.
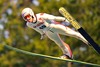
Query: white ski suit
{"x": 53, "y": 30}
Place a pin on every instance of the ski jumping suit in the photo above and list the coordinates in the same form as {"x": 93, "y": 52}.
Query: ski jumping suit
{"x": 53, "y": 30}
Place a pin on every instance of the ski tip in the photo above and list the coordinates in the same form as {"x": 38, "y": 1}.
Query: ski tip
{"x": 62, "y": 10}
{"x": 61, "y": 7}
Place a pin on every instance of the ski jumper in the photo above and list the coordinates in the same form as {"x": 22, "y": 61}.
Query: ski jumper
{"x": 53, "y": 30}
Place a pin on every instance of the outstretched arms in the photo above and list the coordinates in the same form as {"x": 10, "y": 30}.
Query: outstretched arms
{"x": 52, "y": 17}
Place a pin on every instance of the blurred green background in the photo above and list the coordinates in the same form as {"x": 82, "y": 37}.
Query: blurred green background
{"x": 14, "y": 32}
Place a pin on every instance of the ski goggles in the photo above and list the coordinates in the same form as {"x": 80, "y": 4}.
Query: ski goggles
{"x": 27, "y": 16}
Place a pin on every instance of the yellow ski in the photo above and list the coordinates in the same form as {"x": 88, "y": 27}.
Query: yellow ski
{"x": 77, "y": 26}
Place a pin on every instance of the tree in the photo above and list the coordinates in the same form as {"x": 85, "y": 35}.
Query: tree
{"x": 86, "y": 12}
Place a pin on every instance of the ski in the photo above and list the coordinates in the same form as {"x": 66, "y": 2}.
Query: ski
{"x": 77, "y": 26}
{"x": 46, "y": 56}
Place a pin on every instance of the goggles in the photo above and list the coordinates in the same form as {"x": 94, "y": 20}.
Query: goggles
{"x": 27, "y": 16}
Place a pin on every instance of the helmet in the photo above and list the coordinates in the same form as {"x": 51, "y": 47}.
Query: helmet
{"x": 27, "y": 11}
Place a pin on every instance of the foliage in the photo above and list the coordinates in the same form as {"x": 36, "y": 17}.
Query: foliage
{"x": 86, "y": 12}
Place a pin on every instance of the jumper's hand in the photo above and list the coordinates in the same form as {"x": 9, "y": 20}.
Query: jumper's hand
{"x": 67, "y": 21}
{"x": 42, "y": 36}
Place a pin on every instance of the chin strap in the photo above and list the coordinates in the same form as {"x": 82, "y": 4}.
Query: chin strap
{"x": 35, "y": 21}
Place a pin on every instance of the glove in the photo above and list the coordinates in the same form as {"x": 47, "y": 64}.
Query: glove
{"x": 67, "y": 21}
{"x": 42, "y": 36}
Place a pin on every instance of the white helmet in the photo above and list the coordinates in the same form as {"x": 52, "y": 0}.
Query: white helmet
{"x": 27, "y": 11}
